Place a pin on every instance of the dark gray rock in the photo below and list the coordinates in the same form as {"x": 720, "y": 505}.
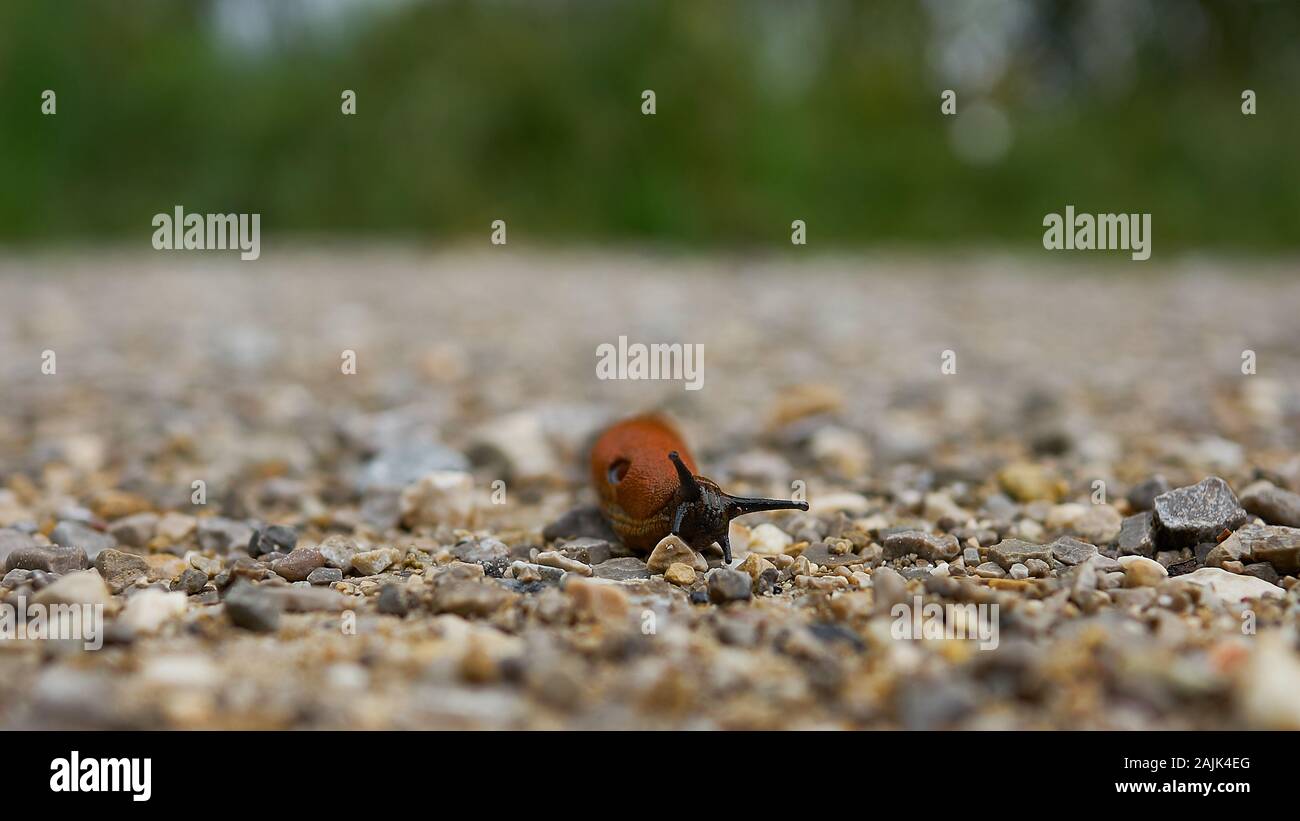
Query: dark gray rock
{"x": 391, "y": 600}
{"x": 1196, "y": 513}
{"x": 1265, "y": 571}
{"x": 928, "y": 546}
{"x": 1272, "y": 504}
{"x": 252, "y": 609}
{"x": 76, "y": 534}
{"x": 136, "y": 530}
{"x": 191, "y": 581}
{"x": 726, "y": 585}
{"x": 1142, "y": 496}
{"x": 274, "y": 539}
{"x": 54, "y": 559}
{"x": 325, "y": 575}
{"x": 1135, "y": 537}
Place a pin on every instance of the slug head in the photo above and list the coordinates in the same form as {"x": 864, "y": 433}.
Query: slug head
{"x": 704, "y": 511}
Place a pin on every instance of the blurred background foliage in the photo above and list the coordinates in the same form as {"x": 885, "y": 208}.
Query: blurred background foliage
{"x": 768, "y": 111}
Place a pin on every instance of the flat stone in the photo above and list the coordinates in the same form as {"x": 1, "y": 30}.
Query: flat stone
{"x": 1232, "y": 587}
{"x": 76, "y": 534}
{"x": 325, "y": 576}
{"x": 1196, "y": 513}
{"x": 588, "y": 550}
{"x": 120, "y": 570}
{"x": 554, "y": 558}
{"x": 1272, "y": 504}
{"x": 621, "y": 569}
{"x": 1015, "y": 551}
{"x": 992, "y": 570}
{"x": 1068, "y": 550}
{"x": 482, "y": 551}
{"x": 1263, "y": 570}
{"x": 52, "y": 559}
{"x": 927, "y": 546}
{"x": 299, "y": 564}
{"x": 726, "y": 585}
{"x": 391, "y": 601}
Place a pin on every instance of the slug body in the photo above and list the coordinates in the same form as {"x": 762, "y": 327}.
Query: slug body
{"x": 648, "y": 488}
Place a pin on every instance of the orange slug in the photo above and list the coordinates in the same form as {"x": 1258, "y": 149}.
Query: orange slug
{"x": 648, "y": 488}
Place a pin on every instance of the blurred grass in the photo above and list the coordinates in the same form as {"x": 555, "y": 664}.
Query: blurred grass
{"x": 474, "y": 111}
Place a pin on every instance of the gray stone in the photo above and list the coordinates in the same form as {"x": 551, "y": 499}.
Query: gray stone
{"x": 136, "y": 530}
{"x": 1196, "y": 513}
{"x": 337, "y": 551}
{"x": 1135, "y": 536}
{"x": 1015, "y": 551}
{"x": 53, "y": 559}
{"x": 1265, "y": 571}
{"x": 888, "y": 588}
{"x": 1279, "y": 546}
{"x": 483, "y": 551}
{"x": 221, "y": 535}
{"x": 274, "y": 539}
{"x": 925, "y": 545}
{"x": 120, "y": 570}
{"x": 588, "y": 550}
{"x": 1142, "y": 496}
{"x": 191, "y": 581}
{"x": 1068, "y": 550}
{"x": 391, "y": 600}
{"x": 992, "y": 570}
{"x": 76, "y": 534}
{"x": 1272, "y": 504}
{"x": 252, "y": 609}
{"x": 325, "y": 575}
{"x": 726, "y": 585}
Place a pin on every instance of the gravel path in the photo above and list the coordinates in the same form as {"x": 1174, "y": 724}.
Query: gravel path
{"x": 1098, "y": 485}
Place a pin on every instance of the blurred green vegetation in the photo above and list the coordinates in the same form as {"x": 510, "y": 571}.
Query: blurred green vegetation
{"x": 530, "y": 112}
